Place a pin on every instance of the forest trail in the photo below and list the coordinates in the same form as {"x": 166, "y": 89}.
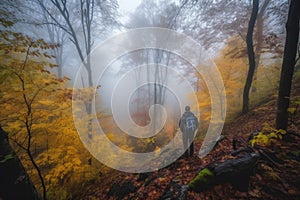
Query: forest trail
{"x": 68, "y": 95}
{"x": 268, "y": 182}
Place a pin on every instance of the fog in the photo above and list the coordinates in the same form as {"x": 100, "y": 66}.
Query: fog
{"x": 129, "y": 84}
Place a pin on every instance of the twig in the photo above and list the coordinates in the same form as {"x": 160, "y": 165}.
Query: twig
{"x": 261, "y": 151}
{"x": 245, "y": 149}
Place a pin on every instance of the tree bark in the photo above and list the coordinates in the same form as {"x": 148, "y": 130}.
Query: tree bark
{"x": 251, "y": 56}
{"x": 15, "y": 182}
{"x": 259, "y": 41}
{"x": 236, "y": 171}
{"x": 288, "y": 64}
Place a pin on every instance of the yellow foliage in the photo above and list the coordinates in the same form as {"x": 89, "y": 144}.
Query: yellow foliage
{"x": 233, "y": 71}
{"x": 32, "y": 96}
{"x": 233, "y": 65}
{"x": 64, "y": 165}
{"x": 260, "y": 139}
{"x": 264, "y": 138}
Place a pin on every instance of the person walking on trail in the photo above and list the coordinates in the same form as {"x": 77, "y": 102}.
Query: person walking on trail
{"x": 188, "y": 124}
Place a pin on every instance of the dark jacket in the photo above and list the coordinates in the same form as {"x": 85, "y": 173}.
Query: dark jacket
{"x": 182, "y": 121}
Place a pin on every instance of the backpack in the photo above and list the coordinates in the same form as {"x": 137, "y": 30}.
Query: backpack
{"x": 190, "y": 123}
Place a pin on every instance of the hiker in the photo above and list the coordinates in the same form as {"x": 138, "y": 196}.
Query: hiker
{"x": 188, "y": 124}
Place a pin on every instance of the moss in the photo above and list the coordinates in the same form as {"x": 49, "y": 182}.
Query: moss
{"x": 202, "y": 180}
{"x": 296, "y": 153}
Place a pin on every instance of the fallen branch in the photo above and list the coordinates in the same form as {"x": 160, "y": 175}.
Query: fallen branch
{"x": 236, "y": 171}
{"x": 261, "y": 151}
{"x": 241, "y": 150}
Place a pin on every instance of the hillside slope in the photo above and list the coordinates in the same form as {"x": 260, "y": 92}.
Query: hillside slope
{"x": 268, "y": 182}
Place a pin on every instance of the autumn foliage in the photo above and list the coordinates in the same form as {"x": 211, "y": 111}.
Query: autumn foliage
{"x": 36, "y": 112}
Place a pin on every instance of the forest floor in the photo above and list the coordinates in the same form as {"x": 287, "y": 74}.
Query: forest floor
{"x": 267, "y": 182}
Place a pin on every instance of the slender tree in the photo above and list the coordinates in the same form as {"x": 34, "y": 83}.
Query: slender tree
{"x": 152, "y": 14}
{"x": 288, "y": 64}
{"x": 83, "y": 40}
{"x": 251, "y": 56}
{"x": 86, "y": 16}
{"x": 57, "y": 36}
{"x": 15, "y": 182}
{"x": 20, "y": 43}
{"x": 72, "y": 17}
{"x": 259, "y": 39}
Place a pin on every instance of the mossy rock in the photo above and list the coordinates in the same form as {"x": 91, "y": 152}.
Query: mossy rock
{"x": 203, "y": 180}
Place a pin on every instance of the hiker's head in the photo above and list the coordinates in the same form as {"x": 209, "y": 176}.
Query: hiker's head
{"x": 187, "y": 108}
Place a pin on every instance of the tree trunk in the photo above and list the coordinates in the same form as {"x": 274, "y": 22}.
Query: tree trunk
{"x": 288, "y": 64}
{"x": 14, "y": 181}
{"x": 259, "y": 41}
{"x": 251, "y": 56}
{"x": 236, "y": 171}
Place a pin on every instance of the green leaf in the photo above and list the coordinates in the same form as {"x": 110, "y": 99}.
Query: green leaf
{"x": 7, "y": 157}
